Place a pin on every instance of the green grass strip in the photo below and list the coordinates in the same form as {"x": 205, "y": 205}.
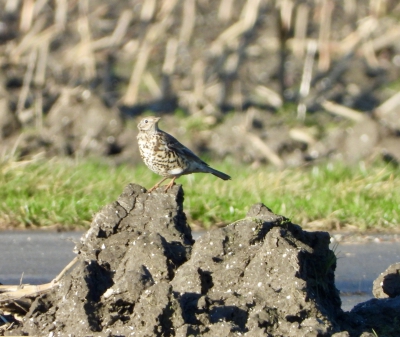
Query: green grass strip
{"x": 330, "y": 196}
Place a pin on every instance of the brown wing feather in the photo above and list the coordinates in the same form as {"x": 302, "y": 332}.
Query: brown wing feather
{"x": 173, "y": 144}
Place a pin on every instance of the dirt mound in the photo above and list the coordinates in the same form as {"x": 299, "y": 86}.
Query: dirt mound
{"x": 140, "y": 273}
{"x": 380, "y": 317}
{"x": 388, "y": 283}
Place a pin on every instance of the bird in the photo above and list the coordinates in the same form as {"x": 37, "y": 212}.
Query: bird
{"x": 166, "y": 156}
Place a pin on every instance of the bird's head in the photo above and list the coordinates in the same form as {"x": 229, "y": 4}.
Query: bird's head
{"x": 149, "y": 124}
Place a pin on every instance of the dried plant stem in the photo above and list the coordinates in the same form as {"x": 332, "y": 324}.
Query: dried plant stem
{"x": 66, "y": 269}
{"x": 11, "y": 6}
{"x": 388, "y": 106}
{"x": 131, "y": 95}
{"x": 300, "y": 30}
{"x": 118, "y": 34}
{"x": 246, "y": 22}
{"x": 306, "y": 79}
{"x": 225, "y": 10}
{"x": 369, "y": 54}
{"x": 121, "y": 27}
{"x": 10, "y": 293}
{"x": 27, "y": 81}
{"x": 391, "y": 36}
{"x": 307, "y": 70}
{"x": 170, "y": 56}
{"x": 132, "y": 92}
{"x": 188, "y": 20}
{"x": 87, "y": 57}
{"x": 324, "y": 35}
{"x": 152, "y": 85}
{"x": 237, "y": 95}
{"x": 29, "y": 39}
{"x": 148, "y": 10}
{"x": 39, "y": 5}
{"x": 39, "y": 109}
{"x": 169, "y": 68}
{"x": 167, "y": 8}
{"x": 26, "y": 15}
{"x": 226, "y": 37}
{"x": 364, "y": 30}
{"x": 40, "y": 75}
{"x": 301, "y": 136}
{"x": 250, "y": 13}
{"x": 378, "y": 7}
{"x": 286, "y": 13}
{"x": 284, "y": 24}
{"x": 350, "y": 7}
{"x": 269, "y": 154}
{"x": 198, "y": 79}
{"x": 61, "y": 12}
{"x": 342, "y": 111}
{"x": 270, "y": 96}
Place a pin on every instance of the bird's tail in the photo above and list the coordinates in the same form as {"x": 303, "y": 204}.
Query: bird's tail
{"x": 219, "y": 174}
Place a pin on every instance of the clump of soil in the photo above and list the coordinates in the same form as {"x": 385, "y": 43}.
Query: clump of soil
{"x": 140, "y": 273}
{"x": 388, "y": 283}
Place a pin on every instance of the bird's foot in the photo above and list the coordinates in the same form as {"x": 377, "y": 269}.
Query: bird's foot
{"x": 172, "y": 183}
{"x": 156, "y": 186}
{"x": 153, "y": 188}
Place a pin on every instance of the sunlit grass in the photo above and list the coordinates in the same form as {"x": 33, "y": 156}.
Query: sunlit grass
{"x": 326, "y": 196}
{"x": 330, "y": 196}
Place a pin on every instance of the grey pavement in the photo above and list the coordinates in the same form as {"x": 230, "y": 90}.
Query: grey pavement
{"x": 36, "y": 256}
{"x": 40, "y": 256}
{"x": 359, "y": 265}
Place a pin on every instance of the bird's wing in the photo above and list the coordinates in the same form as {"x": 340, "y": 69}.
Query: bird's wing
{"x": 174, "y": 145}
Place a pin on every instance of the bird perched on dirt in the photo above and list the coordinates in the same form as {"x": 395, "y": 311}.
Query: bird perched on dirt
{"x": 166, "y": 156}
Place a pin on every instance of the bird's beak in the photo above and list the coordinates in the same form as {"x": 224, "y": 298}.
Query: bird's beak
{"x": 157, "y": 119}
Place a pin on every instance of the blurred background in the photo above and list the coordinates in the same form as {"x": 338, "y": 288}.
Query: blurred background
{"x": 279, "y": 82}
{"x": 264, "y": 83}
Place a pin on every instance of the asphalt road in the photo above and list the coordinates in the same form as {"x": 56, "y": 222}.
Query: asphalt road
{"x": 37, "y": 257}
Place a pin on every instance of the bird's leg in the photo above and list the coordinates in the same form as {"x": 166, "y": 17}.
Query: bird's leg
{"x": 156, "y": 185}
{"x": 172, "y": 182}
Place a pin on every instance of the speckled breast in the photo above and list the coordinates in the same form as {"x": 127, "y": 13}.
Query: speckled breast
{"x": 157, "y": 156}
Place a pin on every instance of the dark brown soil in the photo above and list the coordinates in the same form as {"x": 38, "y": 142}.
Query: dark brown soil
{"x": 139, "y": 273}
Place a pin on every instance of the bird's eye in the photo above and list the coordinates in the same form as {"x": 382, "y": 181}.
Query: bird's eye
{"x": 146, "y": 121}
